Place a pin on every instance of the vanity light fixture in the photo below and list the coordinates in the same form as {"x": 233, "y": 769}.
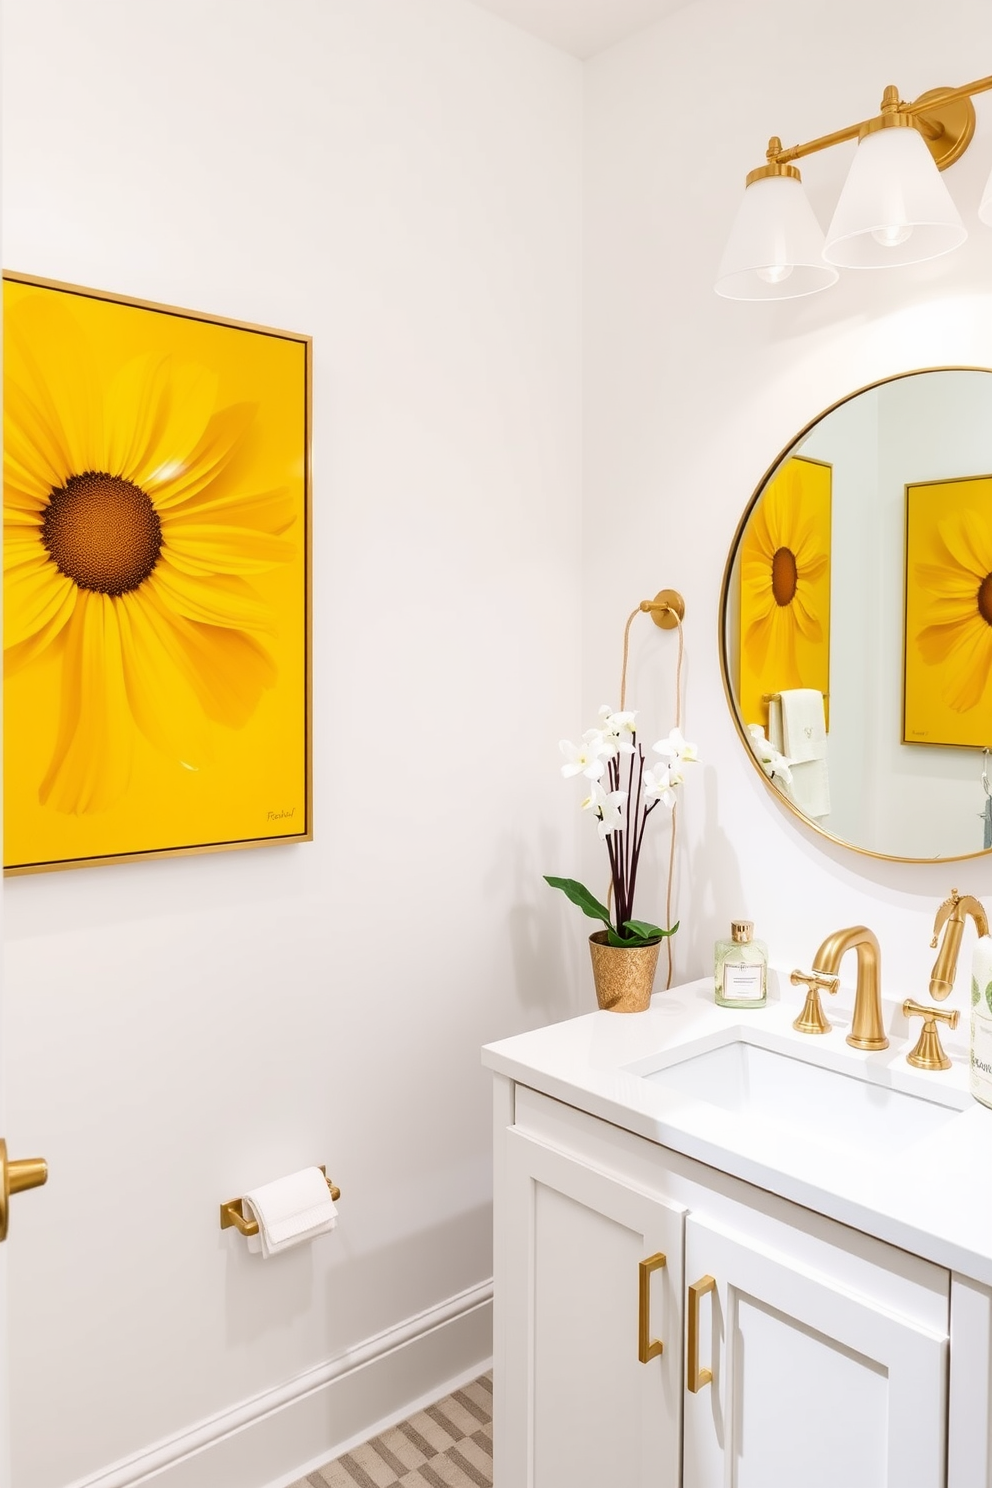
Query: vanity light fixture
{"x": 894, "y": 208}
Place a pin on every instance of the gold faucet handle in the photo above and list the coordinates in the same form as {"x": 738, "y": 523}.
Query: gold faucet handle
{"x": 928, "y": 1053}
{"x": 811, "y": 1019}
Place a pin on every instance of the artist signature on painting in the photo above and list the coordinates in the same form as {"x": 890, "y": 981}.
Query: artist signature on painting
{"x": 280, "y": 815}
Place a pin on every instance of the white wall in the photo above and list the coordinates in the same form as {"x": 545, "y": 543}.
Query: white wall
{"x": 689, "y": 398}
{"x": 401, "y": 179}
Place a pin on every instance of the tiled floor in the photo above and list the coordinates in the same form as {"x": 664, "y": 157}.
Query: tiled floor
{"x": 448, "y": 1445}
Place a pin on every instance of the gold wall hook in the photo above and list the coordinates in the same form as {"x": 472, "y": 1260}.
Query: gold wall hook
{"x": 667, "y": 609}
{"x": 928, "y": 1053}
{"x": 17, "y": 1177}
{"x": 811, "y": 1019}
{"x": 232, "y": 1215}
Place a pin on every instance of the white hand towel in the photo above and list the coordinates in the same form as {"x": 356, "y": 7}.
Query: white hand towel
{"x": 810, "y": 788}
{"x": 290, "y": 1211}
{"x": 804, "y": 726}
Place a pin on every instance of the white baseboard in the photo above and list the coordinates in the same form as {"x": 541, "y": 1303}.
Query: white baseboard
{"x": 279, "y": 1436}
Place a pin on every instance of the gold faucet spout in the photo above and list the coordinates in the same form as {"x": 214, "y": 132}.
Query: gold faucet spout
{"x": 867, "y": 1029}
{"x": 952, "y": 915}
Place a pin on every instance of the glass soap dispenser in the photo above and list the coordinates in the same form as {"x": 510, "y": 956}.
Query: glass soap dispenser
{"x": 741, "y": 969}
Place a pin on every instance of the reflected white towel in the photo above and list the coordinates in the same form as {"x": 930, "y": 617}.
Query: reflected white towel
{"x": 289, "y": 1211}
{"x": 810, "y": 788}
{"x": 804, "y": 725}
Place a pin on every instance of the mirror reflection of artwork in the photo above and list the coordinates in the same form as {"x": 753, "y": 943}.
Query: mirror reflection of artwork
{"x": 948, "y": 691}
{"x": 785, "y": 588}
{"x": 930, "y": 432}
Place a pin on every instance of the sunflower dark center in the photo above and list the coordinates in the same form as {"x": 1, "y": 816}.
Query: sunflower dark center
{"x": 103, "y": 532}
{"x": 985, "y": 599}
{"x": 785, "y": 576}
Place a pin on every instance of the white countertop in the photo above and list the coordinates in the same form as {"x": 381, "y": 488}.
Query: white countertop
{"x": 930, "y": 1194}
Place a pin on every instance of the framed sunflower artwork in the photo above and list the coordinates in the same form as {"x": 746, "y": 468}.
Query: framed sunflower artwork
{"x": 785, "y": 588}
{"x": 947, "y": 692}
{"x": 156, "y": 580}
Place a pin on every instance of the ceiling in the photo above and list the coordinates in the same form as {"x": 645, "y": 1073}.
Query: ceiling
{"x": 582, "y": 27}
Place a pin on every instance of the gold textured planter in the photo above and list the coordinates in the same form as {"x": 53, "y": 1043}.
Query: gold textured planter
{"x": 624, "y": 975}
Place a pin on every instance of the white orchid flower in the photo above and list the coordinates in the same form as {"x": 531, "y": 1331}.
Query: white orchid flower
{"x": 585, "y": 758}
{"x": 607, "y": 806}
{"x": 659, "y": 786}
{"x": 617, "y": 729}
{"x": 775, "y": 764}
{"x": 679, "y": 751}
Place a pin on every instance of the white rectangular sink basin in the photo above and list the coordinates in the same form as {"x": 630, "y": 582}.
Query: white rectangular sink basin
{"x": 851, "y": 1112}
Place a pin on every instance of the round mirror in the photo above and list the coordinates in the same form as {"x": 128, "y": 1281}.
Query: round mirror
{"x": 857, "y": 619}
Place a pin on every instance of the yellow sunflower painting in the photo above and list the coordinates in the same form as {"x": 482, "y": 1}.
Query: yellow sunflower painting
{"x": 156, "y": 587}
{"x": 785, "y": 588}
{"x": 948, "y": 690}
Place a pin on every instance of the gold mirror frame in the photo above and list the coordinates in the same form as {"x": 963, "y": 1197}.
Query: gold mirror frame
{"x": 725, "y": 669}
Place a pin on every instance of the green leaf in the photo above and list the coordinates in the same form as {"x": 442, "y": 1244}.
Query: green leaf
{"x": 582, "y": 897}
{"x": 644, "y": 931}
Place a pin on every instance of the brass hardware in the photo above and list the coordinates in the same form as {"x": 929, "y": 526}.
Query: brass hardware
{"x": 776, "y": 697}
{"x": 952, "y": 914}
{"x": 867, "y": 1029}
{"x": 696, "y": 1378}
{"x": 667, "y": 609}
{"x": 945, "y": 117}
{"x": 928, "y": 1053}
{"x": 16, "y": 1177}
{"x": 811, "y": 1019}
{"x": 647, "y": 1347}
{"x": 232, "y": 1214}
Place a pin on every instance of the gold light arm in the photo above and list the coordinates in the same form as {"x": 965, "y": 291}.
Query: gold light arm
{"x": 647, "y": 1347}
{"x": 948, "y": 138}
{"x": 696, "y": 1378}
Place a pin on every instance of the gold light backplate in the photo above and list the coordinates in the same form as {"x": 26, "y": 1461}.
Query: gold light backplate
{"x": 956, "y": 120}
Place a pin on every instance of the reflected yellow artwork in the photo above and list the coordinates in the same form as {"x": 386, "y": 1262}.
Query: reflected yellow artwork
{"x": 155, "y": 578}
{"x": 948, "y": 691}
{"x": 785, "y": 588}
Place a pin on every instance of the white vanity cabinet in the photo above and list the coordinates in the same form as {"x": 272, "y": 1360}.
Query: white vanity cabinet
{"x": 592, "y": 1283}
{"x": 827, "y": 1350}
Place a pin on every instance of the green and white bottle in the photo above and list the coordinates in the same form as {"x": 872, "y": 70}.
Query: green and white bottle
{"x": 740, "y": 974}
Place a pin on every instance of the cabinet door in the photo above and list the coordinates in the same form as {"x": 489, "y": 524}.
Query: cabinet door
{"x": 582, "y": 1410}
{"x": 812, "y": 1384}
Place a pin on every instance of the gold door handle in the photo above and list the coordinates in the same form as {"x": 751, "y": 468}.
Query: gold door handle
{"x": 647, "y": 1347}
{"x": 697, "y": 1377}
{"x": 15, "y": 1177}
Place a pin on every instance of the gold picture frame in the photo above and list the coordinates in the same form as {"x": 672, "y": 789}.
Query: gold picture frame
{"x": 947, "y": 649}
{"x": 157, "y": 580}
{"x": 784, "y": 588}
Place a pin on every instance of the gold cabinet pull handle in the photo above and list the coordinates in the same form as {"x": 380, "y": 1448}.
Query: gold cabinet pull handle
{"x": 647, "y": 1347}
{"x": 16, "y": 1177}
{"x": 696, "y": 1377}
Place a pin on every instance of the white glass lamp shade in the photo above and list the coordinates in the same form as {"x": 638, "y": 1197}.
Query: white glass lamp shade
{"x": 985, "y": 210}
{"x": 894, "y": 208}
{"x": 775, "y": 248}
